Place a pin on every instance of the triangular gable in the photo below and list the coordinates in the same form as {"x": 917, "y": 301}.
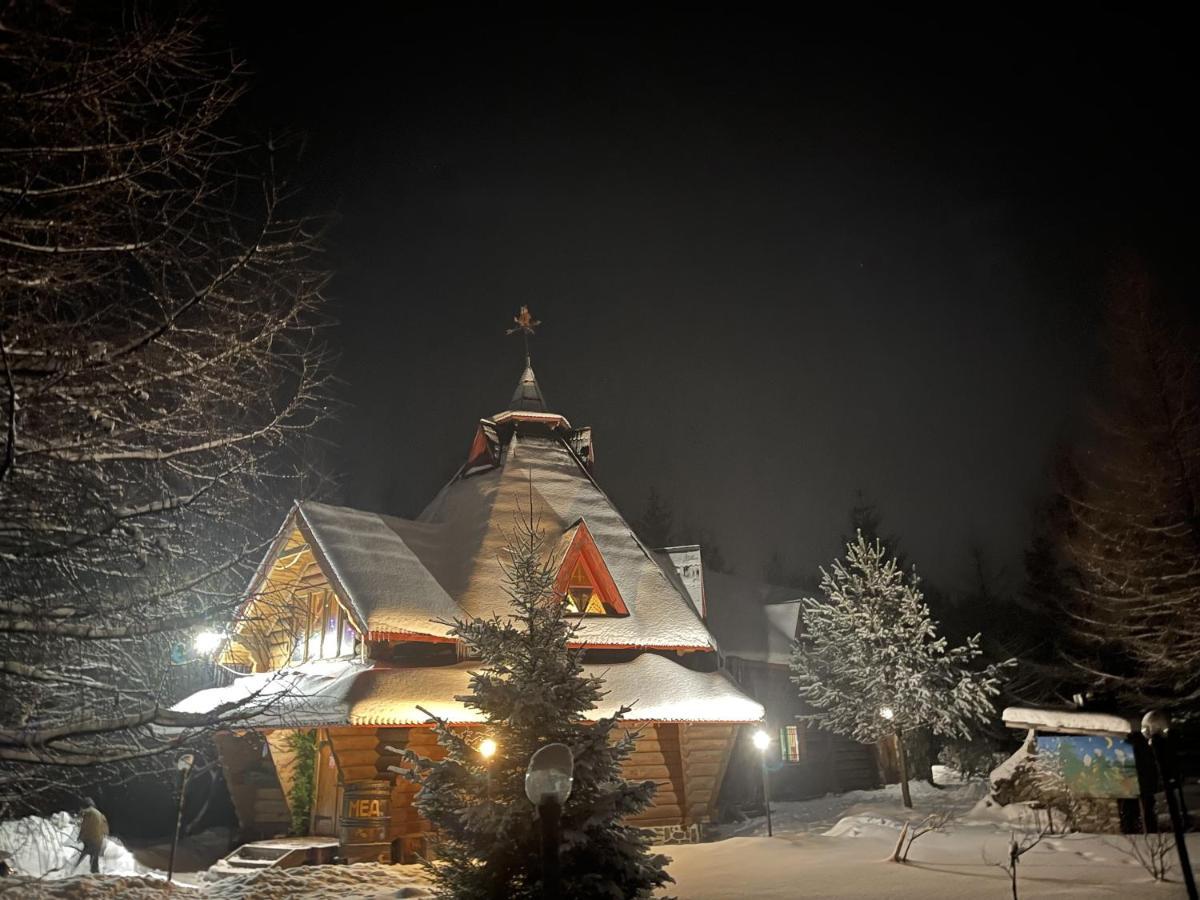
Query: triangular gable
{"x": 583, "y": 578}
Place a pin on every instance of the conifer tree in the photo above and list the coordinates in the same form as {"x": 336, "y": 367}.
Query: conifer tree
{"x": 532, "y": 691}
{"x": 870, "y": 660}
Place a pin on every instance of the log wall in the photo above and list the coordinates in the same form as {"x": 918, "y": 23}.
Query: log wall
{"x": 686, "y": 761}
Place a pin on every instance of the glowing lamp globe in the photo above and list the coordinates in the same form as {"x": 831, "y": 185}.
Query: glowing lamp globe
{"x": 888, "y": 713}
{"x": 761, "y": 739}
{"x": 207, "y": 642}
{"x": 487, "y": 748}
{"x": 1155, "y": 723}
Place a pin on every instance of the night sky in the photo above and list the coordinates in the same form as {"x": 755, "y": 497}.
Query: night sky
{"x": 777, "y": 261}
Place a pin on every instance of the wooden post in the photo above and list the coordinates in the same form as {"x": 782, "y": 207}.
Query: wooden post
{"x": 903, "y": 757}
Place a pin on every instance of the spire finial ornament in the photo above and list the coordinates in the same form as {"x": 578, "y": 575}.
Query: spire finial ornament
{"x": 526, "y": 324}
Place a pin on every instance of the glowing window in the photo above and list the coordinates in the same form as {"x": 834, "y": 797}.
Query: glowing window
{"x": 582, "y": 597}
{"x": 790, "y": 743}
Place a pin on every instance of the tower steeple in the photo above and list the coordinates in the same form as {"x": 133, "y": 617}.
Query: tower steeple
{"x": 528, "y": 396}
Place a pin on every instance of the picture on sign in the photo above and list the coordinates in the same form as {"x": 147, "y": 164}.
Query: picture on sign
{"x": 1091, "y": 765}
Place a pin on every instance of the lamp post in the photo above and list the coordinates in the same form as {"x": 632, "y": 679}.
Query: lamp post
{"x": 184, "y": 765}
{"x": 548, "y": 781}
{"x": 762, "y": 740}
{"x": 1156, "y": 725}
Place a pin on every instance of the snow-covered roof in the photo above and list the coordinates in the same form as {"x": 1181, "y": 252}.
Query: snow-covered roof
{"x": 383, "y": 567}
{"x": 308, "y": 695}
{"x": 1068, "y": 721}
{"x": 348, "y": 692}
{"x": 751, "y": 620}
{"x": 478, "y": 514}
{"x": 402, "y": 576}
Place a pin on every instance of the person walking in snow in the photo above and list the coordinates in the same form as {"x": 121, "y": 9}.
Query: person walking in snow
{"x": 93, "y": 833}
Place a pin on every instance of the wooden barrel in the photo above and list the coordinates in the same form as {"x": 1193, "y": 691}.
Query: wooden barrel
{"x": 366, "y": 819}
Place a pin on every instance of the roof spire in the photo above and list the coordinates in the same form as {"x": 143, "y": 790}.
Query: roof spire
{"x": 528, "y": 396}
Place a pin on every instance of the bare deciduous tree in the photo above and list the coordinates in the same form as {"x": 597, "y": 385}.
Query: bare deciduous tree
{"x": 161, "y": 358}
{"x": 1133, "y": 507}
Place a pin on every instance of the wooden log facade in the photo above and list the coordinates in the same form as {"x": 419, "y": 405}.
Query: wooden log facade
{"x": 687, "y": 762}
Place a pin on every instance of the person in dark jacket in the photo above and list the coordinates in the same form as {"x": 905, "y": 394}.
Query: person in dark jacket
{"x": 93, "y": 833}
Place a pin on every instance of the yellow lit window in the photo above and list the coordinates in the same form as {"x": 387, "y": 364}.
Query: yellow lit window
{"x": 582, "y": 597}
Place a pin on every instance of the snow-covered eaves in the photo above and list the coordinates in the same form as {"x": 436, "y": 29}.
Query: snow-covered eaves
{"x": 1068, "y": 721}
{"x": 309, "y": 695}
{"x": 347, "y": 692}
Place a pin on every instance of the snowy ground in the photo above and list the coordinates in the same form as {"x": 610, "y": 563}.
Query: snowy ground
{"x": 359, "y": 882}
{"x": 832, "y": 847}
{"x": 840, "y": 846}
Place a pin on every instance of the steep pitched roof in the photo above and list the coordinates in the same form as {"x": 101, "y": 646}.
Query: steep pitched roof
{"x": 402, "y": 577}
{"x": 347, "y": 692}
{"x": 478, "y": 511}
{"x": 750, "y": 619}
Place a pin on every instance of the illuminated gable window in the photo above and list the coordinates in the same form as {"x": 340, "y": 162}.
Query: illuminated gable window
{"x": 582, "y": 597}
{"x": 583, "y": 579}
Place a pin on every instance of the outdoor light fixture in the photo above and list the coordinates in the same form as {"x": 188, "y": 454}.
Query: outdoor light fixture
{"x": 762, "y": 741}
{"x": 487, "y": 748}
{"x": 1156, "y": 725}
{"x": 548, "y": 781}
{"x": 207, "y": 642}
{"x": 888, "y": 713}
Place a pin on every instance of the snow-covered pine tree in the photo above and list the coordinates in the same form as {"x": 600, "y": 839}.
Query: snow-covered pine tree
{"x": 870, "y": 662}
{"x": 532, "y": 691}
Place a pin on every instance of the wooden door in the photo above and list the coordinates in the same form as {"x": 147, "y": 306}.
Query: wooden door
{"x": 325, "y": 803}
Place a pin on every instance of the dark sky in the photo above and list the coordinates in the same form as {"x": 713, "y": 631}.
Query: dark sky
{"x": 777, "y": 260}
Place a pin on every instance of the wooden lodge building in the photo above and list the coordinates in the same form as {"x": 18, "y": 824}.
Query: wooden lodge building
{"x": 344, "y": 630}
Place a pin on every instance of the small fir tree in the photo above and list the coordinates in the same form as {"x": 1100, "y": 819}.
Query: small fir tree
{"x": 871, "y": 663}
{"x": 532, "y": 691}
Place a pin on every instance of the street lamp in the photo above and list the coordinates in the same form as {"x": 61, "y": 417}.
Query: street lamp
{"x": 548, "y": 781}
{"x": 887, "y": 713}
{"x": 207, "y": 642}
{"x": 184, "y": 765}
{"x": 762, "y": 741}
{"x": 1156, "y": 725}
